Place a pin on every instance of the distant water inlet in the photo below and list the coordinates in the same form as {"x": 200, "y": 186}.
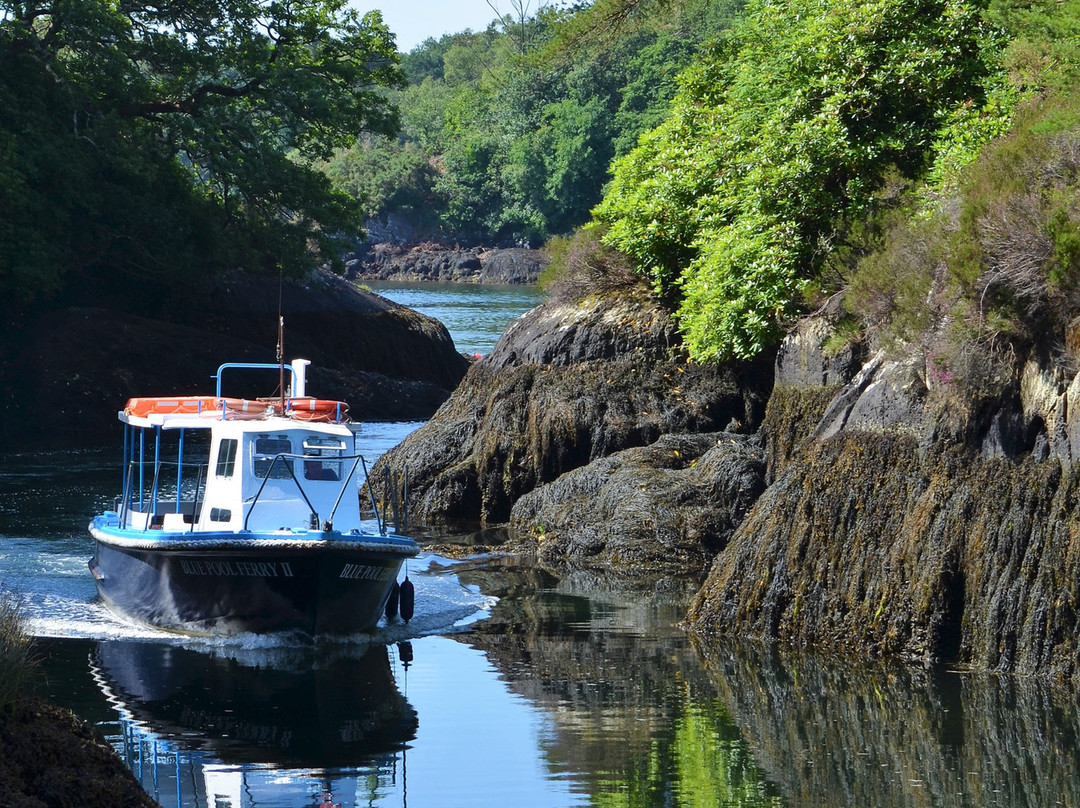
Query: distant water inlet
{"x": 475, "y": 315}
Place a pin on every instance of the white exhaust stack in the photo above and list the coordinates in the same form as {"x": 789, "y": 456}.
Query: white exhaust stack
{"x": 299, "y": 367}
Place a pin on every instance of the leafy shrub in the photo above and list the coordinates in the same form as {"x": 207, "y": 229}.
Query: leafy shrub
{"x": 989, "y": 272}
{"x": 890, "y": 289}
{"x": 581, "y": 264}
{"x": 778, "y": 137}
{"x": 1018, "y": 247}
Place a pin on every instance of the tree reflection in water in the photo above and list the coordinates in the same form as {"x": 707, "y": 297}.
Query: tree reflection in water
{"x": 641, "y": 716}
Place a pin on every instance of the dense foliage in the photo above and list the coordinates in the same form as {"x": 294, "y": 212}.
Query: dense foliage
{"x": 788, "y": 151}
{"x": 169, "y": 141}
{"x": 507, "y": 134}
{"x": 745, "y": 159}
{"x": 776, "y": 141}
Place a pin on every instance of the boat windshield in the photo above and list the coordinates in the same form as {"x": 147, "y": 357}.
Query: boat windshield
{"x": 322, "y": 458}
{"x": 266, "y": 449}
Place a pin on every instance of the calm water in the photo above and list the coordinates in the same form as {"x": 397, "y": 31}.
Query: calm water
{"x": 509, "y": 687}
{"x": 475, "y": 315}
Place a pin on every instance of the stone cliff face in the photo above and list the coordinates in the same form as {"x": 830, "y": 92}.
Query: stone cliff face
{"x": 895, "y": 529}
{"x": 868, "y": 511}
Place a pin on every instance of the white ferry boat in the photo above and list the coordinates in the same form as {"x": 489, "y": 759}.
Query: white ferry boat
{"x": 243, "y": 515}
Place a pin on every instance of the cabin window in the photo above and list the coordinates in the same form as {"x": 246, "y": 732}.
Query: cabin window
{"x": 265, "y": 451}
{"x": 322, "y": 458}
{"x": 226, "y": 458}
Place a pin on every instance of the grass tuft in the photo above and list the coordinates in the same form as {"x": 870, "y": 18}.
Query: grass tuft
{"x": 18, "y": 662}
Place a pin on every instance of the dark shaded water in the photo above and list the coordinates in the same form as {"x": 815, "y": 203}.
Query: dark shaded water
{"x": 509, "y": 687}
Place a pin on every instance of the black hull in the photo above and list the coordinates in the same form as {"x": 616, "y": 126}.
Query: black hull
{"x": 331, "y": 591}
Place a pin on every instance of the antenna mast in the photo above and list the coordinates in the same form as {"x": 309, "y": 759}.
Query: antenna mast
{"x": 281, "y": 359}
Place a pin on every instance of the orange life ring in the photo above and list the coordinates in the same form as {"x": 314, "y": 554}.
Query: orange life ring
{"x": 316, "y": 409}
{"x": 245, "y": 409}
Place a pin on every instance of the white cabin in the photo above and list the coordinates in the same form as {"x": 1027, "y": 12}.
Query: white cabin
{"x": 200, "y": 464}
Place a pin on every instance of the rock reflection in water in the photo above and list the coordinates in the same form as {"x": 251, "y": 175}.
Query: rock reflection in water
{"x": 282, "y": 726}
{"x": 633, "y": 719}
{"x": 638, "y": 716}
{"x": 844, "y": 736}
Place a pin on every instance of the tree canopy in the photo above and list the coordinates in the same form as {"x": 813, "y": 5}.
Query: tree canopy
{"x": 778, "y": 138}
{"x": 507, "y": 133}
{"x": 174, "y": 140}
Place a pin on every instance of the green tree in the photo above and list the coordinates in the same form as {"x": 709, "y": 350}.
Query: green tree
{"x": 178, "y": 138}
{"x": 778, "y": 136}
{"x": 521, "y": 121}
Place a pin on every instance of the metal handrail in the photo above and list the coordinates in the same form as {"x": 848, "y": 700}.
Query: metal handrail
{"x": 344, "y": 488}
{"x": 127, "y": 497}
{"x": 250, "y": 366}
{"x": 357, "y": 459}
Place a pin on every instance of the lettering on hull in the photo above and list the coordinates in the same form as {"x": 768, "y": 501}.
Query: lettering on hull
{"x": 362, "y": 572}
{"x": 249, "y": 569}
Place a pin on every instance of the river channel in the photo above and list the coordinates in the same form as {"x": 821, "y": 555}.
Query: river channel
{"x": 509, "y": 686}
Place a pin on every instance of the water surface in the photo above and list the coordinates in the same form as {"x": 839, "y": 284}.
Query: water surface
{"x": 475, "y": 314}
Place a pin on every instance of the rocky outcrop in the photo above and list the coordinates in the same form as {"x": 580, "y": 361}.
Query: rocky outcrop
{"x": 671, "y": 505}
{"x": 434, "y": 262}
{"x": 897, "y": 525}
{"x": 868, "y": 546}
{"x": 48, "y": 757}
{"x": 81, "y": 364}
{"x": 567, "y": 384}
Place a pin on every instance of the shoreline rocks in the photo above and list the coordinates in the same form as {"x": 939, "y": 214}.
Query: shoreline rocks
{"x": 904, "y": 522}
{"x": 437, "y": 263}
{"x": 49, "y": 757}
{"x": 669, "y": 506}
{"x": 567, "y": 384}
{"x": 867, "y": 511}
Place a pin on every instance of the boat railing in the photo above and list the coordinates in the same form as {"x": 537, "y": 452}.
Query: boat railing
{"x": 152, "y": 503}
{"x": 314, "y": 523}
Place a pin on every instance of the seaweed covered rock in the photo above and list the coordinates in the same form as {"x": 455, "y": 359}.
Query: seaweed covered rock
{"x": 869, "y": 544}
{"x": 909, "y": 516}
{"x": 668, "y": 506}
{"x": 566, "y": 384}
{"x": 48, "y": 757}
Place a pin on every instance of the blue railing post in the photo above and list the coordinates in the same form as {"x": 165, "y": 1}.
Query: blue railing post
{"x": 179, "y": 469}
{"x": 157, "y": 470}
{"x": 142, "y": 470}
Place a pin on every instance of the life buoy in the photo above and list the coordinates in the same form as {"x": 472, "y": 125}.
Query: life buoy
{"x": 316, "y": 409}
{"x": 209, "y": 406}
{"x": 167, "y": 405}
{"x": 244, "y": 409}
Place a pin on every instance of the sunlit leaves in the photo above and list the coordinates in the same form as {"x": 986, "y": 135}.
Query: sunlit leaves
{"x": 773, "y": 141}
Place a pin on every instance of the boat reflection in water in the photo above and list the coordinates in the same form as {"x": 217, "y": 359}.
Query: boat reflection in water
{"x": 243, "y": 728}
